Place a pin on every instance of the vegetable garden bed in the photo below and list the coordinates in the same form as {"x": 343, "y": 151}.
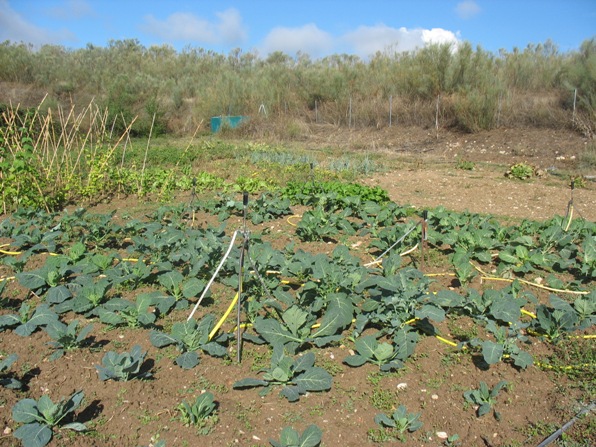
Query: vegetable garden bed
{"x": 358, "y": 327}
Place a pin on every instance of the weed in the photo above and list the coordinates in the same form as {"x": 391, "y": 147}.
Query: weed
{"x": 520, "y": 171}
{"x": 465, "y": 165}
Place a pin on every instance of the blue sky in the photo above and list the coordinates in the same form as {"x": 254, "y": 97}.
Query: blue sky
{"x": 316, "y": 27}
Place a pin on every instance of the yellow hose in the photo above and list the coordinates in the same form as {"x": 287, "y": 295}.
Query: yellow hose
{"x": 291, "y": 217}
{"x": 222, "y": 319}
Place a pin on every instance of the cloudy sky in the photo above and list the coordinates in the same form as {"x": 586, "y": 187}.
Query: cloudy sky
{"x": 316, "y": 27}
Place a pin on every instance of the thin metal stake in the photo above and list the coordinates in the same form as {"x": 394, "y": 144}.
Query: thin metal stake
{"x": 243, "y": 249}
{"x": 424, "y": 237}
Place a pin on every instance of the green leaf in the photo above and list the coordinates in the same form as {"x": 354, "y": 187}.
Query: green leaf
{"x": 289, "y": 437}
{"x": 338, "y": 315}
{"x": 76, "y": 426}
{"x": 34, "y": 435}
{"x": 508, "y": 257}
{"x": 492, "y": 352}
{"x": 26, "y": 411}
{"x": 272, "y": 331}
{"x": 355, "y": 360}
{"x": 314, "y": 379}
{"x": 188, "y": 360}
{"x": 431, "y": 312}
{"x": 311, "y": 436}
{"x": 249, "y": 383}
{"x": 383, "y": 351}
{"x": 366, "y": 346}
{"x": 294, "y": 318}
{"x": 483, "y": 409}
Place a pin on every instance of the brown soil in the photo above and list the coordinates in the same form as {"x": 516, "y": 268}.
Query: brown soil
{"x": 423, "y": 174}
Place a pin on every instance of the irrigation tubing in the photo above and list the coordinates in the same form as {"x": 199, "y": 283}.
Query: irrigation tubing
{"x": 567, "y": 426}
{"x": 391, "y": 248}
{"x": 223, "y": 260}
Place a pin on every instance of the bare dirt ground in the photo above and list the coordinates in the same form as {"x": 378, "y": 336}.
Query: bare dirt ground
{"x": 422, "y": 169}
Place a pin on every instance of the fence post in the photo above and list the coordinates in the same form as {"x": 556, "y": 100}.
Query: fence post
{"x": 350, "y": 115}
{"x": 437, "y": 116}
{"x": 574, "y": 103}
{"x": 390, "y": 108}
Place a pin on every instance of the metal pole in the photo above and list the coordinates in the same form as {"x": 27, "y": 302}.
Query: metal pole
{"x": 574, "y": 102}
{"x": 390, "y": 108}
{"x": 350, "y": 118}
{"x": 243, "y": 249}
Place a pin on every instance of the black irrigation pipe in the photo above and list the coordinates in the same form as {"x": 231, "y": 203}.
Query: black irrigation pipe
{"x": 567, "y": 426}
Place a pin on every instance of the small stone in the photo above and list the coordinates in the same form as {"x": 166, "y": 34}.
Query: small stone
{"x": 7, "y": 431}
{"x": 538, "y": 280}
{"x": 434, "y": 397}
{"x": 402, "y": 386}
{"x": 351, "y": 351}
{"x": 256, "y": 438}
{"x": 441, "y": 435}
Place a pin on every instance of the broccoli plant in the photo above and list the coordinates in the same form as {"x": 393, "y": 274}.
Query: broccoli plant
{"x": 201, "y": 413}
{"x": 124, "y": 366}
{"x": 485, "y": 398}
{"x": 118, "y": 312}
{"x": 400, "y": 421}
{"x": 189, "y": 337}
{"x": 310, "y": 437}
{"x": 41, "y": 416}
{"x": 387, "y": 356}
{"x": 296, "y": 376}
{"x": 27, "y": 322}
{"x": 65, "y": 338}
{"x": 295, "y": 329}
{"x": 9, "y": 382}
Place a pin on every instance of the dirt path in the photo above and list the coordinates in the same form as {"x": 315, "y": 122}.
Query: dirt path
{"x": 486, "y": 190}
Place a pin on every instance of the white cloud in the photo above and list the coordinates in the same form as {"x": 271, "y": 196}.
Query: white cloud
{"x": 188, "y": 27}
{"x": 467, "y": 9}
{"x": 367, "y": 40}
{"x": 306, "y": 39}
{"x": 72, "y": 10}
{"x": 15, "y": 28}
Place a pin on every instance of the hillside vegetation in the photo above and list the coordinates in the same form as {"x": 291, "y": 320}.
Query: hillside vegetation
{"x": 468, "y": 89}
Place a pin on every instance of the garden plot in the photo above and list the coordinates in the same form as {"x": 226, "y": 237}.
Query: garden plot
{"x": 361, "y": 323}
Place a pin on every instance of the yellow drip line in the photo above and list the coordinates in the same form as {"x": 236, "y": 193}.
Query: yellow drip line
{"x": 8, "y": 278}
{"x": 292, "y": 217}
{"x": 488, "y": 277}
{"x": 221, "y": 321}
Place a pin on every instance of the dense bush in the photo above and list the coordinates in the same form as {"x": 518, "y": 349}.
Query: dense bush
{"x": 477, "y": 89}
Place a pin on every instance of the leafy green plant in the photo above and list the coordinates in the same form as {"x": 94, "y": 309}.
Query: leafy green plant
{"x": 189, "y": 337}
{"x": 65, "y": 338}
{"x": 319, "y": 224}
{"x": 400, "y": 421}
{"x": 41, "y": 416}
{"x": 296, "y": 376}
{"x": 200, "y": 413}
{"x": 87, "y": 298}
{"x": 180, "y": 289}
{"x": 505, "y": 345}
{"x": 485, "y": 398}
{"x": 27, "y": 322}
{"x": 385, "y": 355}
{"x": 123, "y": 367}
{"x": 310, "y": 437}
{"x": 520, "y": 171}
{"x": 119, "y": 312}
{"x": 9, "y": 382}
{"x": 295, "y": 328}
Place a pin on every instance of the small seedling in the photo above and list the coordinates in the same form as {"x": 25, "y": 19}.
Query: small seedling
{"x": 65, "y": 338}
{"x": 123, "y": 367}
{"x": 296, "y": 376}
{"x": 485, "y": 398}
{"x": 201, "y": 413}
{"x": 9, "y": 382}
{"x": 400, "y": 420}
{"x": 310, "y": 437}
{"x": 40, "y": 416}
